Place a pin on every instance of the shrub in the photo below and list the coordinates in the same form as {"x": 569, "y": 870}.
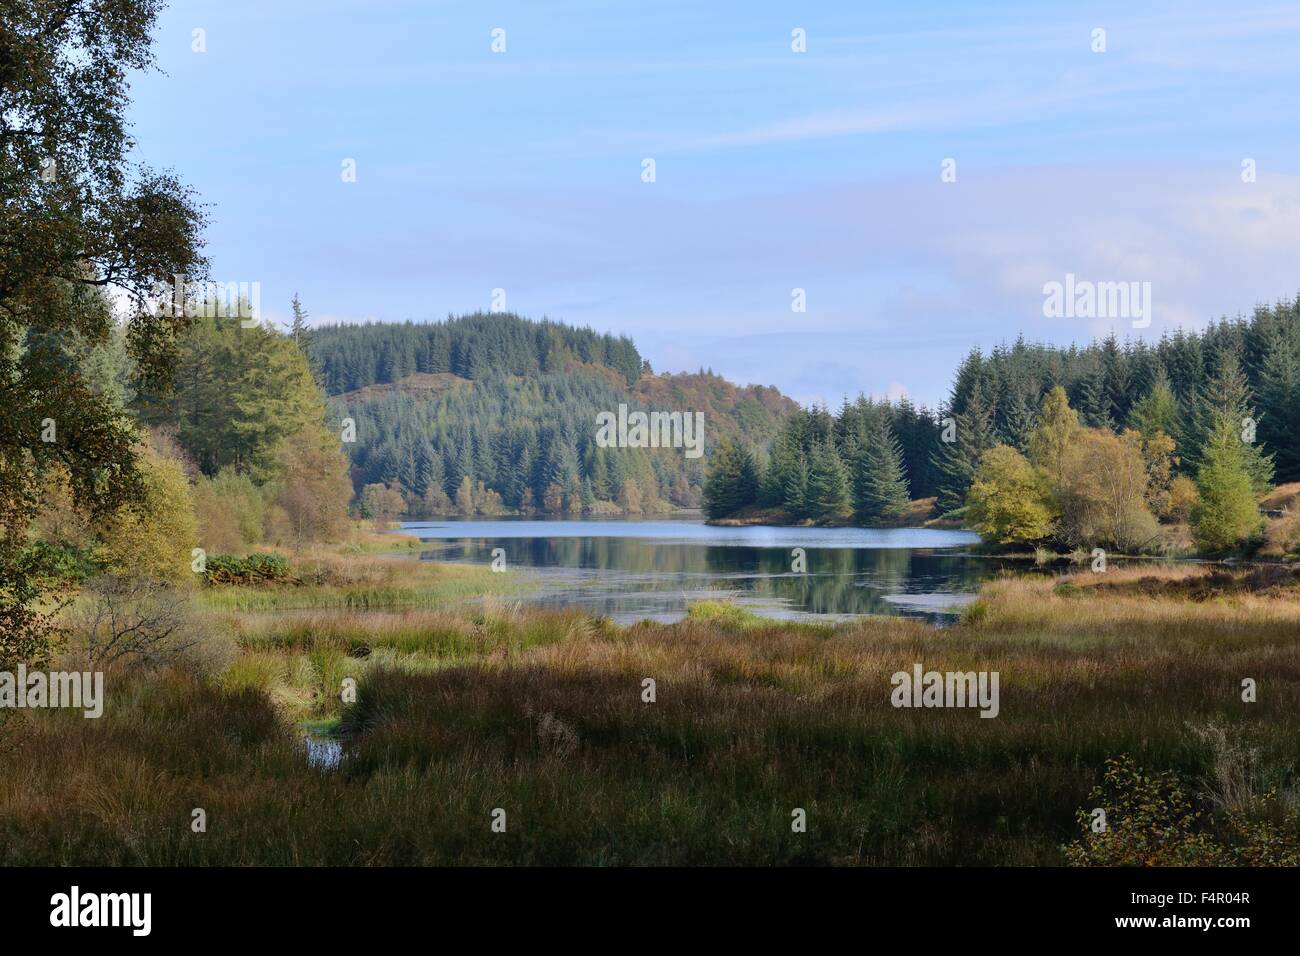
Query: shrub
{"x": 59, "y": 563}
{"x": 134, "y": 618}
{"x": 1150, "y": 819}
{"x": 250, "y": 570}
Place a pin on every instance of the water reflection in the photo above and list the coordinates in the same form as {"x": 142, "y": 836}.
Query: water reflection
{"x": 630, "y": 570}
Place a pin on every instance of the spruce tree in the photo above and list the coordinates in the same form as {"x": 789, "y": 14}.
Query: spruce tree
{"x": 298, "y": 329}
{"x": 794, "y": 489}
{"x": 828, "y": 485}
{"x": 1094, "y": 400}
{"x": 1157, "y": 410}
{"x": 879, "y": 482}
{"x": 1227, "y": 400}
{"x": 958, "y": 459}
{"x": 730, "y": 482}
{"x": 1279, "y": 402}
{"x": 1226, "y": 515}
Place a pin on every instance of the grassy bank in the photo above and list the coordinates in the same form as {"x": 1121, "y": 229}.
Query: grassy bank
{"x": 920, "y": 514}
{"x": 542, "y": 714}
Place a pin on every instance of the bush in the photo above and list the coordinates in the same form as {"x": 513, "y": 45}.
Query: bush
{"x": 252, "y": 569}
{"x": 1150, "y": 821}
{"x": 59, "y": 563}
{"x": 123, "y": 619}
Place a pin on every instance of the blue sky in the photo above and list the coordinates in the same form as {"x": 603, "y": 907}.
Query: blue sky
{"x": 774, "y": 170}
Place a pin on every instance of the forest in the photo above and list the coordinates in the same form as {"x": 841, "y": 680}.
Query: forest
{"x": 1203, "y": 421}
{"x": 488, "y": 414}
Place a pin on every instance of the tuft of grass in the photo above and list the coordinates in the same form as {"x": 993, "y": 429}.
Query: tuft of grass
{"x": 544, "y": 714}
{"x": 378, "y": 584}
{"x": 724, "y": 614}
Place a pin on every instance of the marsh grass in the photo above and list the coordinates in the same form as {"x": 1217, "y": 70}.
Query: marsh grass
{"x": 367, "y": 584}
{"x": 542, "y": 714}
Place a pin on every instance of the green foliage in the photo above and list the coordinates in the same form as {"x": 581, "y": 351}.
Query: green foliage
{"x": 241, "y": 392}
{"x": 529, "y": 439}
{"x": 828, "y": 485}
{"x": 1226, "y": 400}
{"x": 1278, "y": 383}
{"x": 879, "y": 481}
{"x": 972, "y": 435}
{"x": 1080, "y": 487}
{"x": 248, "y": 570}
{"x": 101, "y": 217}
{"x": 61, "y": 563}
{"x": 472, "y": 347}
{"x": 732, "y": 481}
{"x": 1009, "y": 501}
{"x": 1150, "y": 820}
{"x": 1248, "y": 368}
{"x": 1226, "y": 516}
{"x": 1157, "y": 410}
{"x": 832, "y": 467}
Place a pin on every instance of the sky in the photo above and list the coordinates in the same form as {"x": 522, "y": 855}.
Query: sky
{"x": 921, "y": 171}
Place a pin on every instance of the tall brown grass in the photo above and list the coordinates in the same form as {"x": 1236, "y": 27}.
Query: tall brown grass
{"x": 543, "y": 714}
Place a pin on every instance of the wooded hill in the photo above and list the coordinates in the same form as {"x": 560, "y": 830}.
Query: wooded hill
{"x": 864, "y": 462}
{"x": 491, "y": 413}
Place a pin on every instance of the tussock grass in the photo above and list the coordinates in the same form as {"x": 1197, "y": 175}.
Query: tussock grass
{"x": 542, "y": 714}
{"x": 365, "y": 584}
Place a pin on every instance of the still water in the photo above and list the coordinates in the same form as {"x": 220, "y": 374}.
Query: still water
{"x": 630, "y": 569}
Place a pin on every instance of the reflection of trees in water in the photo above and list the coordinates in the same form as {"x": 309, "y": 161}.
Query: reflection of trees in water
{"x": 838, "y": 580}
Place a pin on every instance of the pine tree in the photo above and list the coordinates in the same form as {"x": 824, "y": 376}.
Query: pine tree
{"x": 1226, "y": 400}
{"x": 1226, "y": 514}
{"x": 1279, "y": 401}
{"x": 879, "y": 481}
{"x": 731, "y": 482}
{"x": 959, "y": 458}
{"x": 299, "y": 330}
{"x": 828, "y": 484}
{"x": 1157, "y": 410}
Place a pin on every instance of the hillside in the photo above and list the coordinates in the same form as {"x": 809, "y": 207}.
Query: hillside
{"x": 489, "y": 414}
